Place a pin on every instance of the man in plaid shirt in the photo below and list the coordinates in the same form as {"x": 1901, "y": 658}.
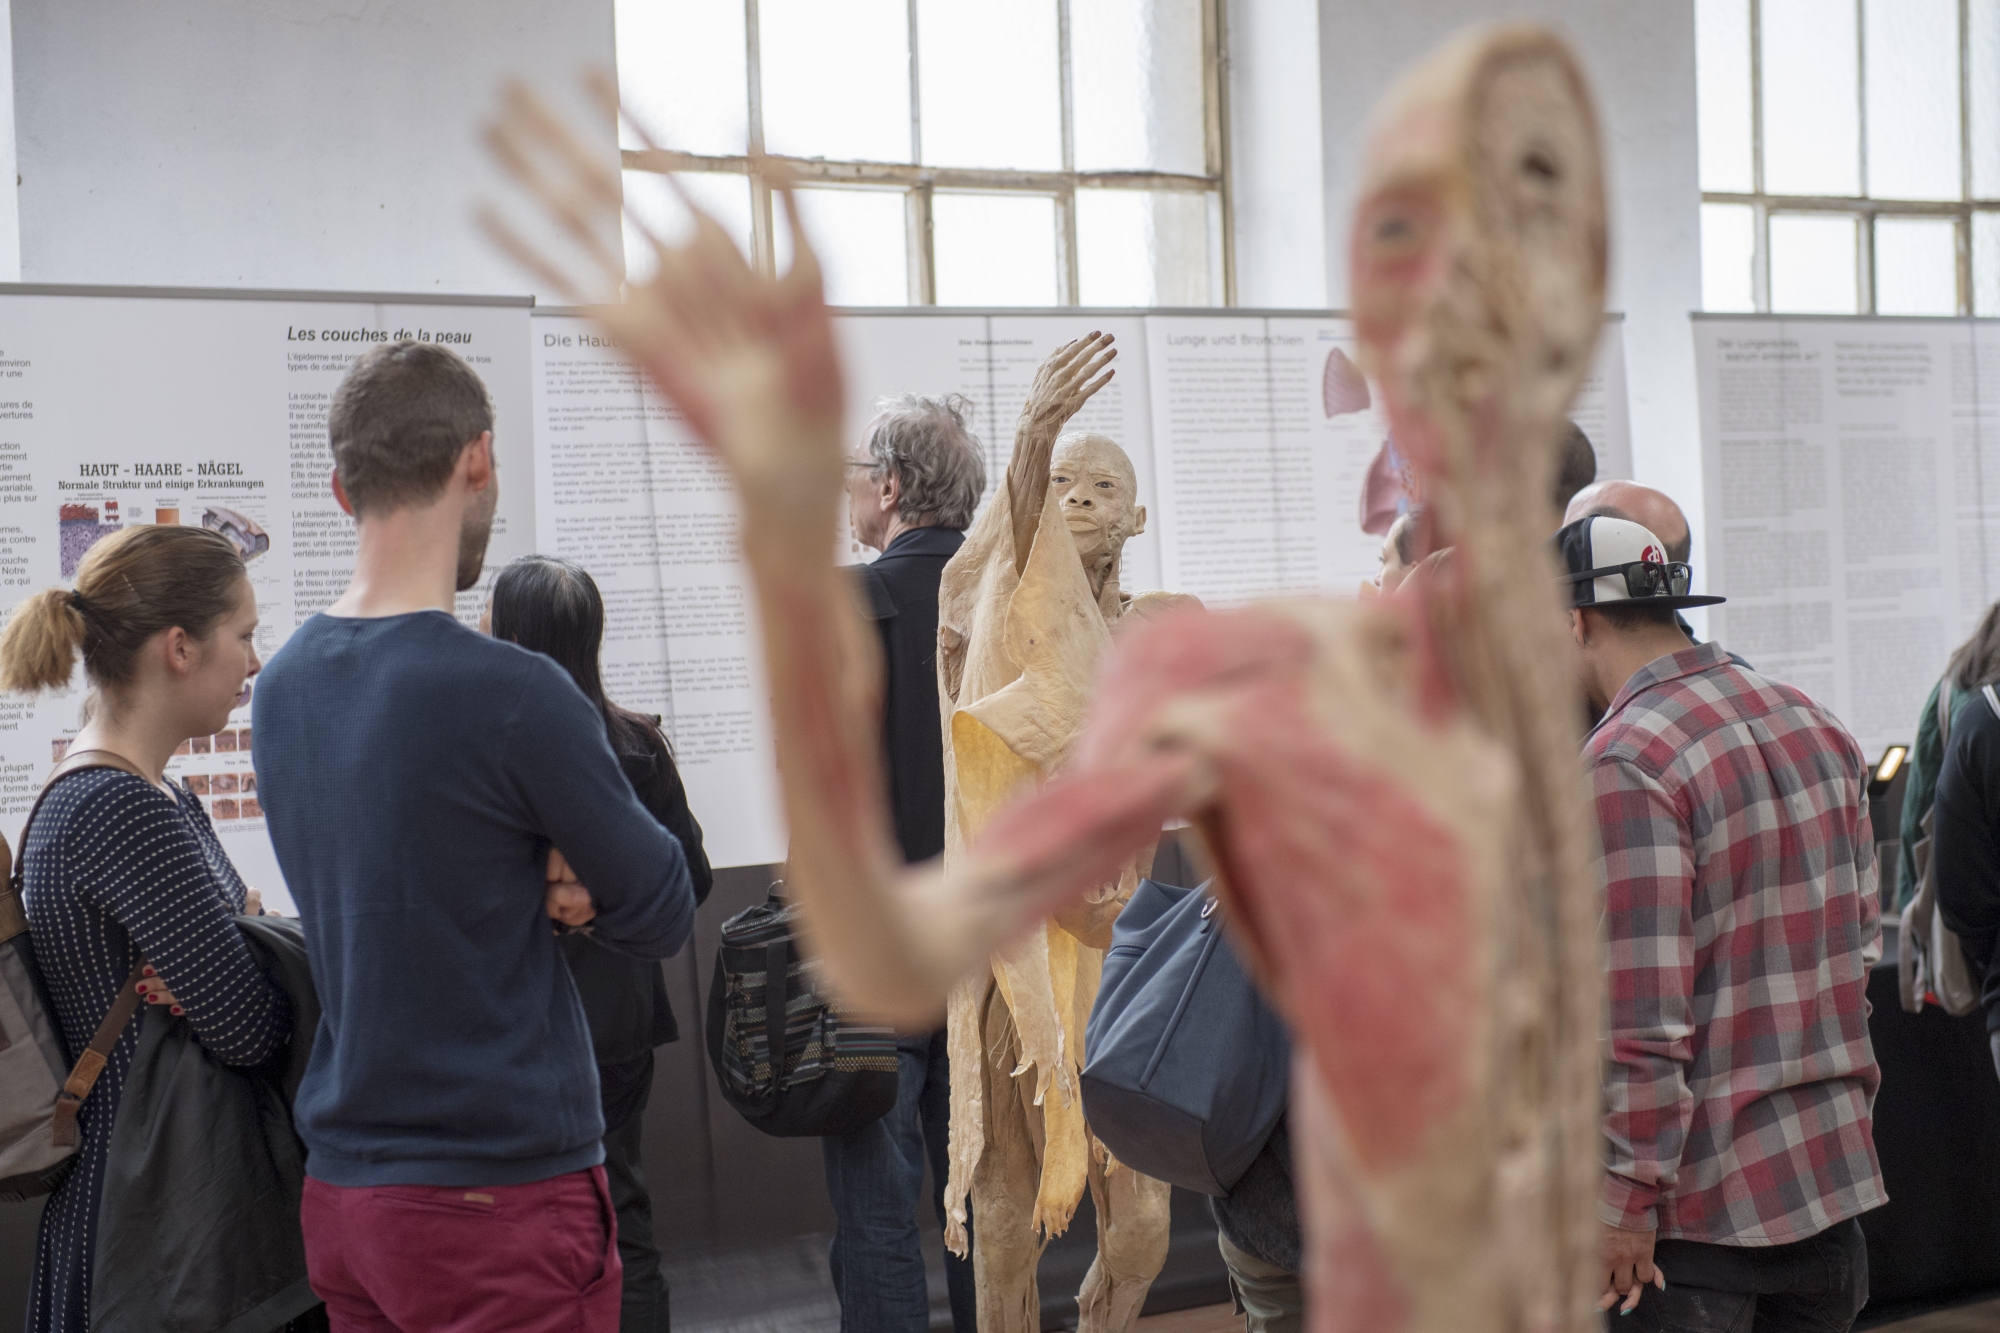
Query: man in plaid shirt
{"x": 1742, "y": 918}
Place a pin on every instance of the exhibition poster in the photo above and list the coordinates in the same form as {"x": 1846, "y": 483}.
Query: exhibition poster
{"x": 1852, "y": 477}
{"x": 86, "y": 449}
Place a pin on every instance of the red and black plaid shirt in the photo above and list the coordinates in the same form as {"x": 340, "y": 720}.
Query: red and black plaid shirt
{"x": 1742, "y": 917}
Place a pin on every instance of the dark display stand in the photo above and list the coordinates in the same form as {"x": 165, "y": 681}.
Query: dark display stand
{"x": 1937, "y": 1131}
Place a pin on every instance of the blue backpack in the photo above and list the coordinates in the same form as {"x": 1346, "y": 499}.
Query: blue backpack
{"x": 1188, "y": 1070}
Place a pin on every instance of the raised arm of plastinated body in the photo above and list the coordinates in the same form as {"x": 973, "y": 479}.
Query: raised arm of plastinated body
{"x": 750, "y": 361}
{"x": 1063, "y": 383}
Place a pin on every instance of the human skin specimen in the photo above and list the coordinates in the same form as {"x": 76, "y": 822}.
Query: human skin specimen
{"x": 1389, "y": 790}
{"x": 1025, "y": 610}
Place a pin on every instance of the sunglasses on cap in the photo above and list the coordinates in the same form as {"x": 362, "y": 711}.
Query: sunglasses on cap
{"x": 1644, "y": 578}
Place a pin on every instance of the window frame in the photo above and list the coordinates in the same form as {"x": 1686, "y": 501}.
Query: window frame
{"x": 919, "y": 183}
{"x": 1865, "y": 209}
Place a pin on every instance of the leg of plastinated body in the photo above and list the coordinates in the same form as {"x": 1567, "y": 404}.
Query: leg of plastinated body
{"x": 1134, "y": 1224}
{"x": 1005, "y": 1248}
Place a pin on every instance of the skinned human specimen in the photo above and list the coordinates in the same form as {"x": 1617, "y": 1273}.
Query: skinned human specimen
{"x": 1389, "y": 791}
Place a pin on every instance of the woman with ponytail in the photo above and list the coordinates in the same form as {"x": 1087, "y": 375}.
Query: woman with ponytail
{"x": 118, "y": 866}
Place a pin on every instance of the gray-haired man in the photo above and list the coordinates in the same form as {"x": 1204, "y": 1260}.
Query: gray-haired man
{"x": 911, "y": 487}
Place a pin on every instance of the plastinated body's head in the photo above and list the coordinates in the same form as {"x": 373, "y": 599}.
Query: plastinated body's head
{"x": 1093, "y": 481}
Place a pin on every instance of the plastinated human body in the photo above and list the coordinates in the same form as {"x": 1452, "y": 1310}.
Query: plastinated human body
{"x": 1026, "y": 609}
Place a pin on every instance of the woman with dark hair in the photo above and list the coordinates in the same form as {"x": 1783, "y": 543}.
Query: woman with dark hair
{"x": 1974, "y": 663}
{"x": 123, "y": 881}
{"x": 552, "y": 606}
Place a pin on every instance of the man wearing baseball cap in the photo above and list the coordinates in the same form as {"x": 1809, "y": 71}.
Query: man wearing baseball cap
{"x": 1741, "y": 918}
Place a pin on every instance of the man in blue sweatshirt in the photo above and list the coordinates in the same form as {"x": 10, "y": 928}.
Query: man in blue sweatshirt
{"x": 415, "y": 775}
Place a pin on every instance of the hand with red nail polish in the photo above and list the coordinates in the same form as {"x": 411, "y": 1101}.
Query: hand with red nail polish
{"x": 155, "y": 992}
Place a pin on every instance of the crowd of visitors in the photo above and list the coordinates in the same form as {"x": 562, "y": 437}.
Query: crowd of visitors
{"x": 489, "y": 856}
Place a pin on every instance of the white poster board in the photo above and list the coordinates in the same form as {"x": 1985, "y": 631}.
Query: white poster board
{"x": 122, "y": 409}
{"x": 1250, "y": 470}
{"x": 1852, "y": 477}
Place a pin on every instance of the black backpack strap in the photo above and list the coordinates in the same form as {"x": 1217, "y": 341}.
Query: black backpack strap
{"x": 74, "y": 762}
{"x": 14, "y": 921}
{"x": 777, "y": 963}
{"x": 83, "y": 1076}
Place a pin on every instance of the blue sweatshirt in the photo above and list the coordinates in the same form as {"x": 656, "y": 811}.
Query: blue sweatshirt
{"x": 414, "y": 774}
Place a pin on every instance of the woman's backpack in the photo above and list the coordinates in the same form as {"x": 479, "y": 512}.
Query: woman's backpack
{"x": 1188, "y": 1070}
{"x": 40, "y": 1091}
{"x": 785, "y": 1059}
{"x": 1930, "y": 964}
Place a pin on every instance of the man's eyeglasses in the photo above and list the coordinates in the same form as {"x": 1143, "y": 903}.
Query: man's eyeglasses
{"x": 1645, "y": 578}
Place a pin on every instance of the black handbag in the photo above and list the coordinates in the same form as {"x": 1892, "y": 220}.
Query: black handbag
{"x": 1188, "y": 1070}
{"x": 785, "y": 1059}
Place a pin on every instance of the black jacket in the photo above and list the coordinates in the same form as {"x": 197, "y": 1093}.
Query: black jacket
{"x": 1965, "y": 844}
{"x": 198, "y": 1226}
{"x": 900, "y": 593}
{"x": 625, "y": 998}
{"x": 1261, "y": 1214}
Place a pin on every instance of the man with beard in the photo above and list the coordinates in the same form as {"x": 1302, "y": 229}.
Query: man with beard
{"x": 415, "y": 775}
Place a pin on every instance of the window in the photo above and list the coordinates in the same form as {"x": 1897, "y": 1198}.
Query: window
{"x": 946, "y": 152}
{"x": 1850, "y": 155}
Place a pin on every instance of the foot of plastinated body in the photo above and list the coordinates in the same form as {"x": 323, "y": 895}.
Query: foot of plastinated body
{"x": 1133, "y": 1225}
{"x": 1005, "y": 1246}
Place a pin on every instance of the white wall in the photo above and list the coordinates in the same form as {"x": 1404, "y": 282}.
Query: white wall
{"x": 326, "y": 144}
{"x": 1278, "y": 191}
{"x": 10, "y": 212}
{"x": 1640, "y": 59}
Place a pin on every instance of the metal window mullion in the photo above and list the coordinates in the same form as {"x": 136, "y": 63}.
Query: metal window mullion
{"x": 823, "y": 171}
{"x": 1964, "y": 256}
{"x": 1069, "y": 276}
{"x": 1760, "y": 226}
{"x": 763, "y": 243}
{"x": 1760, "y": 258}
{"x": 920, "y": 244}
{"x": 1068, "y": 279}
{"x": 1864, "y": 263}
{"x": 919, "y": 231}
{"x": 1215, "y": 86}
{"x": 1757, "y": 96}
{"x": 1861, "y": 96}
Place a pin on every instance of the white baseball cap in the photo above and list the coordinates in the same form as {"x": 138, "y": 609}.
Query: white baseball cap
{"x": 1616, "y": 560}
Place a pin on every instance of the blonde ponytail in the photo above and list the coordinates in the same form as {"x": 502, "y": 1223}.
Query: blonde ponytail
{"x": 133, "y": 584}
{"x": 39, "y": 646}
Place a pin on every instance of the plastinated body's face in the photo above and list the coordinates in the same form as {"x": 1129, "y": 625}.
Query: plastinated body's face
{"x": 1099, "y": 494}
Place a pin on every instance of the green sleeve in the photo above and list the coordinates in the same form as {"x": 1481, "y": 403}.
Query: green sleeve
{"x": 1926, "y": 758}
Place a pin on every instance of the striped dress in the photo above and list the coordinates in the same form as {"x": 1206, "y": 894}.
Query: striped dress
{"x": 113, "y": 867}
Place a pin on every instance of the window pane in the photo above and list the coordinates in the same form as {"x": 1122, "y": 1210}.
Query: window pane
{"x": 1135, "y": 67}
{"x": 862, "y": 242}
{"x": 1728, "y": 253}
{"x": 1986, "y": 263}
{"x": 1812, "y": 264}
{"x": 726, "y": 198}
{"x": 1983, "y": 99}
{"x": 1142, "y": 249}
{"x": 994, "y": 249}
{"x": 681, "y": 73}
{"x": 1811, "y": 116}
{"x": 1913, "y": 100}
{"x": 1722, "y": 64}
{"x": 836, "y": 78}
{"x": 992, "y": 92}
{"x": 1916, "y": 266}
